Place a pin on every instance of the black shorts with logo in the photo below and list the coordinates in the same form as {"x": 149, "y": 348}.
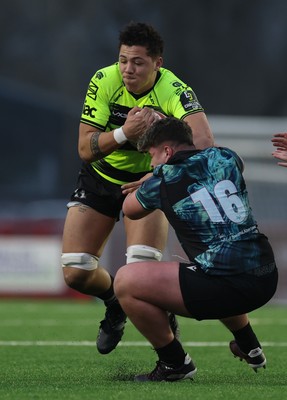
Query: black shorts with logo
{"x": 214, "y": 297}
{"x": 98, "y": 193}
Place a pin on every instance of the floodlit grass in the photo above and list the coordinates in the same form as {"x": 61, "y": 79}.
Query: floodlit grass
{"x": 48, "y": 352}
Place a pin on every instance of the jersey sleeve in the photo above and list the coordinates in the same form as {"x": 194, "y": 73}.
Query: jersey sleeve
{"x": 187, "y": 104}
{"x": 239, "y": 161}
{"x": 149, "y": 193}
{"x": 96, "y": 110}
{"x": 182, "y": 100}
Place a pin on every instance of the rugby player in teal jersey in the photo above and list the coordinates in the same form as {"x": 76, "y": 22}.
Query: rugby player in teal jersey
{"x": 230, "y": 269}
{"x": 122, "y": 101}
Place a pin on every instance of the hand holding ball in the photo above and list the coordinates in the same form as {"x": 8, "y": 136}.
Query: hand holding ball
{"x": 159, "y": 115}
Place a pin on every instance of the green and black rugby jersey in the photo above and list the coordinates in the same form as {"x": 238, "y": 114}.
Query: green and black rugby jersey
{"x": 107, "y": 104}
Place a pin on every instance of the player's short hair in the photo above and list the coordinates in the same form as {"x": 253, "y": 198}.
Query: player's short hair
{"x": 168, "y": 129}
{"x": 141, "y": 34}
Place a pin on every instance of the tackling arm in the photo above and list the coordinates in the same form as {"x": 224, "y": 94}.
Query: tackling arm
{"x": 201, "y": 132}
{"x": 132, "y": 208}
{"x": 94, "y": 145}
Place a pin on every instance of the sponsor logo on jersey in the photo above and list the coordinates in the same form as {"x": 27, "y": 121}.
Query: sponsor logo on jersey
{"x": 80, "y": 194}
{"x": 176, "y": 84}
{"x": 92, "y": 90}
{"x": 89, "y": 111}
{"x": 119, "y": 114}
{"x": 189, "y": 101}
{"x": 192, "y": 268}
{"x": 99, "y": 75}
{"x": 178, "y": 91}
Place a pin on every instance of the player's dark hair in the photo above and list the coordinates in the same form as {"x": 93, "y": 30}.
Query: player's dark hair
{"x": 168, "y": 129}
{"x": 141, "y": 34}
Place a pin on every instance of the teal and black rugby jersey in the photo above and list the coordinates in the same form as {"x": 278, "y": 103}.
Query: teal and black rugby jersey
{"x": 204, "y": 197}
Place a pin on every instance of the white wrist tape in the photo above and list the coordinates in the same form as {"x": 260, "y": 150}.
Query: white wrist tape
{"x": 119, "y": 136}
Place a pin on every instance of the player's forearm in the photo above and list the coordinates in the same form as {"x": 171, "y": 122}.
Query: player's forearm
{"x": 203, "y": 139}
{"x": 94, "y": 145}
{"x": 201, "y": 132}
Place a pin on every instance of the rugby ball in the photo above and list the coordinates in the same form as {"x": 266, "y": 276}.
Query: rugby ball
{"x": 159, "y": 115}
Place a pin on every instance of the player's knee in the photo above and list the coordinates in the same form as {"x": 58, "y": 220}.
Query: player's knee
{"x": 138, "y": 253}
{"x": 121, "y": 283}
{"x": 117, "y": 284}
{"x": 76, "y": 268}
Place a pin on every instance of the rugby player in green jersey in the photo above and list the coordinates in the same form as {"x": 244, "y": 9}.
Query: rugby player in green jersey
{"x": 122, "y": 101}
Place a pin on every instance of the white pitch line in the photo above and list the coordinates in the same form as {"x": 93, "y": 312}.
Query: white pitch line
{"x": 89, "y": 322}
{"x": 84, "y": 343}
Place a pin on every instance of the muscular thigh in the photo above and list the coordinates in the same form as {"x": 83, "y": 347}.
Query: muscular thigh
{"x": 86, "y": 230}
{"x": 154, "y": 282}
{"x": 151, "y": 230}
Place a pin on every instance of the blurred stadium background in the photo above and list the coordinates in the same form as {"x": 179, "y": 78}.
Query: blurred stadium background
{"x": 233, "y": 54}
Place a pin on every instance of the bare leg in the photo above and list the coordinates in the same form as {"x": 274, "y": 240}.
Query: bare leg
{"x": 243, "y": 333}
{"x": 146, "y": 240}
{"x": 145, "y": 291}
{"x": 151, "y": 230}
{"x": 86, "y": 231}
{"x": 235, "y": 323}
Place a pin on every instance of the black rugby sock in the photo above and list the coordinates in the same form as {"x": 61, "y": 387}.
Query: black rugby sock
{"x": 172, "y": 353}
{"x": 246, "y": 339}
{"x": 109, "y": 296}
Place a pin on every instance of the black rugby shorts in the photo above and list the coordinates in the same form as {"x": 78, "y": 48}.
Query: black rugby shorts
{"x": 214, "y": 297}
{"x": 98, "y": 193}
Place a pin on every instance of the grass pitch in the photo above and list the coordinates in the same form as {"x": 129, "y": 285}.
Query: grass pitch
{"x": 48, "y": 352}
